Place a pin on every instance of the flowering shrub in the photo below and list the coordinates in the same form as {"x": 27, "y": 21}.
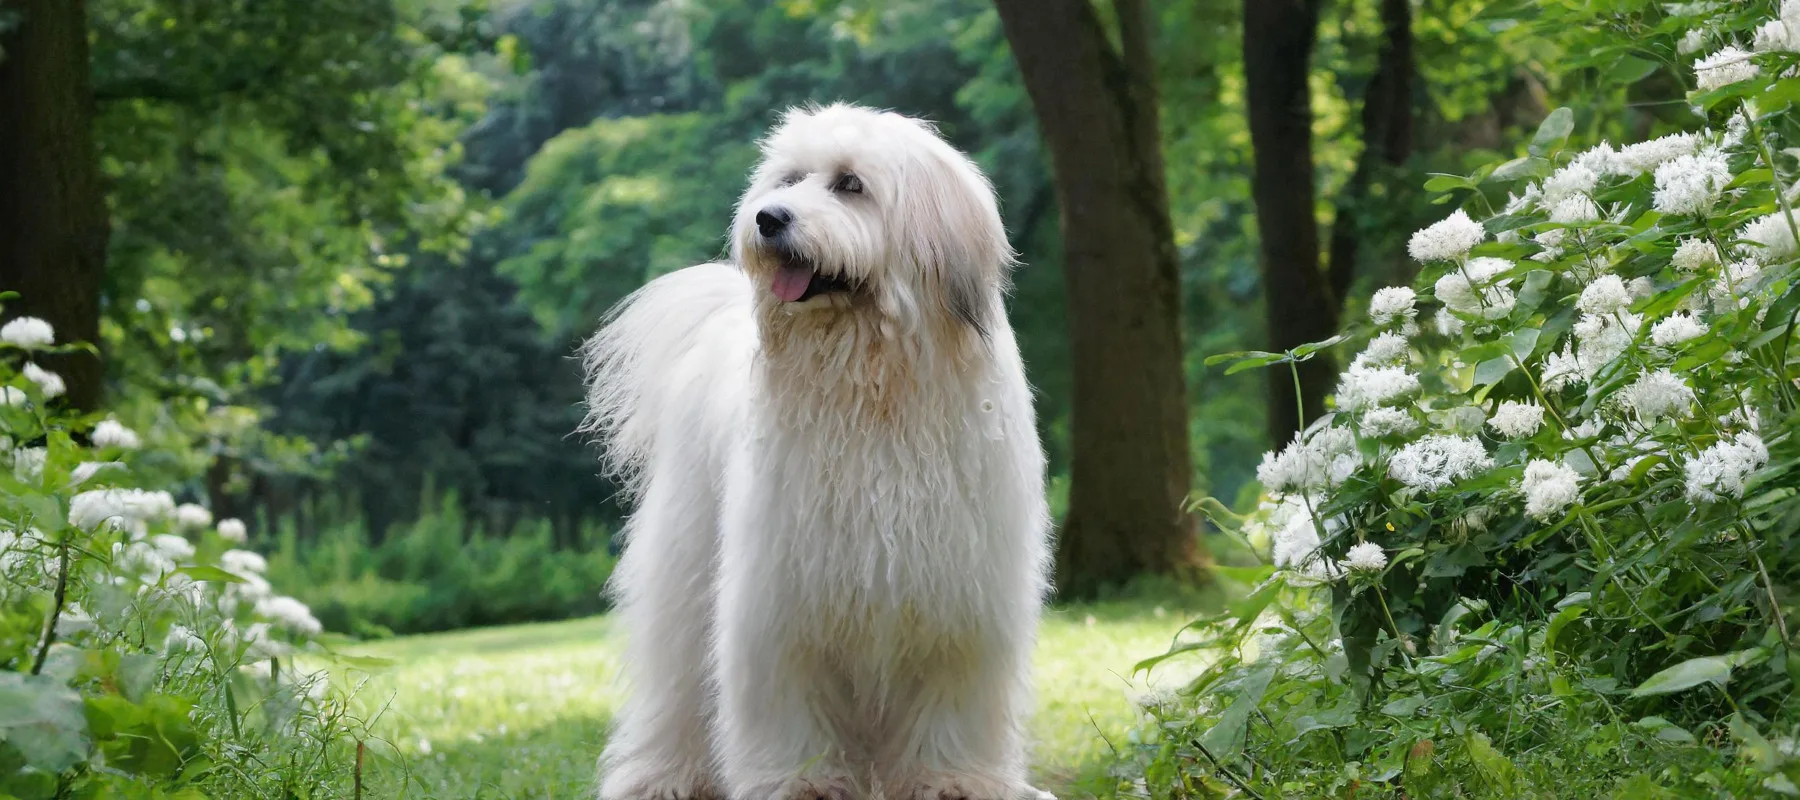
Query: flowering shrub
{"x": 142, "y": 653}
{"x": 1544, "y": 545}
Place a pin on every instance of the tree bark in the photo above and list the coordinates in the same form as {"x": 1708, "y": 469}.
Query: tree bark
{"x": 1387, "y": 123}
{"x": 1299, "y": 304}
{"x": 53, "y": 219}
{"x": 1130, "y": 466}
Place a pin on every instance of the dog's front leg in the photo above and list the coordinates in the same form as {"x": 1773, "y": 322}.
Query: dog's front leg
{"x": 968, "y": 739}
{"x": 773, "y": 740}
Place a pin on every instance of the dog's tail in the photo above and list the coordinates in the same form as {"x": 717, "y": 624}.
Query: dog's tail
{"x": 655, "y": 353}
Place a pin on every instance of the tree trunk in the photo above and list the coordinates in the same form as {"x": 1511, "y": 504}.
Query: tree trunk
{"x": 53, "y": 219}
{"x": 1299, "y": 304}
{"x": 1130, "y": 467}
{"x": 1387, "y": 123}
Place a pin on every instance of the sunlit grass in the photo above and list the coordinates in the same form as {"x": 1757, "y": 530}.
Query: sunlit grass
{"x": 521, "y": 711}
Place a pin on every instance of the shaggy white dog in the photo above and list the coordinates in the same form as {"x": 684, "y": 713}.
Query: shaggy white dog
{"x": 832, "y": 583}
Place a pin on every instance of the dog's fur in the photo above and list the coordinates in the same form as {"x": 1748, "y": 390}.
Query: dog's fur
{"x": 832, "y": 582}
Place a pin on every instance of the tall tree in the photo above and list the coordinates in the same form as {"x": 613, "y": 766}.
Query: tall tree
{"x": 1303, "y": 300}
{"x": 53, "y": 222}
{"x": 1130, "y": 467}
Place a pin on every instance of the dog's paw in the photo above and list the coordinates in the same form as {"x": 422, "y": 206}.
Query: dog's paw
{"x": 816, "y": 787}
{"x": 952, "y": 786}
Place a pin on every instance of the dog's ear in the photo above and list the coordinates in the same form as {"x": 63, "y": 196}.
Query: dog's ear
{"x": 960, "y": 243}
{"x": 969, "y": 300}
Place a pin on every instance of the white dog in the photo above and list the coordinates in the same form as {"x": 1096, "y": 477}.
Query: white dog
{"x": 832, "y": 583}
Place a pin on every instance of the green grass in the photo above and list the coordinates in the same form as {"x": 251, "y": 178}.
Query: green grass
{"x": 522, "y": 711}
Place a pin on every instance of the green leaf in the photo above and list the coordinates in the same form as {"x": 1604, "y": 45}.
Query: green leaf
{"x": 1492, "y": 371}
{"x": 1629, "y": 70}
{"x": 42, "y": 719}
{"x": 1305, "y": 350}
{"x": 1664, "y": 730}
{"x": 1554, "y": 129}
{"x": 1522, "y": 168}
{"x": 1562, "y": 619}
{"x": 1404, "y": 707}
{"x": 1220, "y": 358}
{"x": 1494, "y": 766}
{"x": 201, "y": 572}
{"x": 1715, "y": 670}
{"x": 1440, "y": 182}
{"x": 1225, "y": 738}
{"x": 1524, "y": 341}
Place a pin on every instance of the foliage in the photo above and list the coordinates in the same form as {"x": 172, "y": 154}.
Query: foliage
{"x": 441, "y": 572}
{"x": 141, "y": 654}
{"x": 268, "y": 166}
{"x": 1543, "y": 546}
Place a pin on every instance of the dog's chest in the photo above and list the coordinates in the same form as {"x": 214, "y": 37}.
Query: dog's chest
{"x": 894, "y": 525}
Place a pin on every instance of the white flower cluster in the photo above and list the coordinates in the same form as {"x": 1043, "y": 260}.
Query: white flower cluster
{"x": 29, "y": 333}
{"x": 1606, "y": 295}
{"x": 1656, "y": 395}
{"x": 125, "y": 509}
{"x": 1728, "y": 66}
{"x": 109, "y": 433}
{"x": 1393, "y": 305}
{"x": 1473, "y": 290}
{"x": 1366, "y": 557}
{"x": 1694, "y": 255}
{"x": 1317, "y": 462}
{"x": 1676, "y": 329}
{"x": 1383, "y": 421}
{"x": 50, "y": 383}
{"x": 1645, "y": 157}
{"x": 233, "y": 530}
{"x": 192, "y": 516}
{"x": 1363, "y": 386}
{"x": 1447, "y": 240}
{"x": 1386, "y": 349}
{"x": 1549, "y": 488}
{"x": 1517, "y": 420}
{"x": 1768, "y": 239}
{"x": 289, "y": 613}
{"x": 1690, "y": 184}
{"x": 1438, "y": 460}
{"x": 1721, "y": 470}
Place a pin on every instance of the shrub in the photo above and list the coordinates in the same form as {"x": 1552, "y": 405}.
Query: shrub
{"x": 142, "y": 653}
{"x": 1543, "y": 545}
{"x": 441, "y": 572}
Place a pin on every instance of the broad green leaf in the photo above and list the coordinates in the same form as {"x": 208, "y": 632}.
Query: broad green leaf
{"x": 42, "y": 719}
{"x": 1715, "y": 670}
{"x": 1552, "y": 131}
{"x": 1225, "y": 739}
{"x": 1493, "y": 371}
{"x": 1494, "y": 766}
{"x": 1664, "y": 730}
{"x": 1440, "y": 182}
{"x": 1521, "y": 168}
{"x": 1630, "y": 69}
{"x": 201, "y": 572}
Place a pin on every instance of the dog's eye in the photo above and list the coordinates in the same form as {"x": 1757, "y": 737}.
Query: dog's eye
{"x": 790, "y": 179}
{"x": 848, "y": 183}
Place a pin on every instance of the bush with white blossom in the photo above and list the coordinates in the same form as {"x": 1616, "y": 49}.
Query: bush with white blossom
{"x": 141, "y": 649}
{"x": 1559, "y": 531}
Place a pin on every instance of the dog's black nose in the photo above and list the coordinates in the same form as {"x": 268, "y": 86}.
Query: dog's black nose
{"x": 773, "y": 220}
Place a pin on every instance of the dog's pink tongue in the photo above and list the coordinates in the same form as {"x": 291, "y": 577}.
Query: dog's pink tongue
{"x": 791, "y": 282}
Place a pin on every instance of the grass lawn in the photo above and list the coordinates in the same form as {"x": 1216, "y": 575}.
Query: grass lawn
{"x": 522, "y": 711}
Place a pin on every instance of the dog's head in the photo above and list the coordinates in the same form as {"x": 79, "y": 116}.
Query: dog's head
{"x": 855, "y": 211}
